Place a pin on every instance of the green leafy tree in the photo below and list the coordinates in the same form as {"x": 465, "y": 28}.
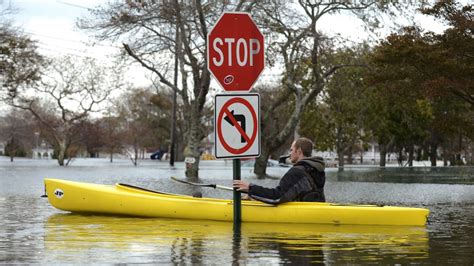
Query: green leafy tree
{"x": 297, "y": 43}
{"x": 451, "y": 84}
{"x": 428, "y": 78}
{"x": 398, "y": 110}
{"x": 452, "y": 51}
{"x": 334, "y": 120}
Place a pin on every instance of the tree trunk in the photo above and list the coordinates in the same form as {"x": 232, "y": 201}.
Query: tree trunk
{"x": 400, "y": 157}
{"x": 111, "y": 155}
{"x": 383, "y": 154}
{"x": 297, "y": 130}
{"x": 61, "y": 152}
{"x": 470, "y": 160}
{"x": 459, "y": 161}
{"x": 12, "y": 151}
{"x": 419, "y": 153}
{"x": 339, "y": 150}
{"x": 260, "y": 167}
{"x": 340, "y": 153}
{"x": 192, "y": 169}
{"x": 275, "y": 140}
{"x": 135, "y": 158}
{"x": 341, "y": 163}
{"x": 433, "y": 153}
{"x": 349, "y": 155}
{"x": 411, "y": 155}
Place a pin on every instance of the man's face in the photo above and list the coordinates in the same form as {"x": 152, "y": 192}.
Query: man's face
{"x": 294, "y": 153}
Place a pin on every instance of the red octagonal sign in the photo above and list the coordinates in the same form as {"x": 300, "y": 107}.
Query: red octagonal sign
{"x": 235, "y": 51}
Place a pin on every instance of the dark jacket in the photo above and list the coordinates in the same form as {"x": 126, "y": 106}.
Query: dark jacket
{"x": 303, "y": 182}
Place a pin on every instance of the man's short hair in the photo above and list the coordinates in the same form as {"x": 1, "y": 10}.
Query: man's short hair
{"x": 306, "y": 146}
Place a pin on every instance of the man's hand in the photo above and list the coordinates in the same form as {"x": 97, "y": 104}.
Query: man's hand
{"x": 241, "y": 185}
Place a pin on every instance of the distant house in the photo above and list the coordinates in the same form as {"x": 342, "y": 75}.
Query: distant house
{"x": 43, "y": 151}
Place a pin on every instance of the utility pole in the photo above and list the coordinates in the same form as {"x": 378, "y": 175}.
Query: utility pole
{"x": 173, "y": 115}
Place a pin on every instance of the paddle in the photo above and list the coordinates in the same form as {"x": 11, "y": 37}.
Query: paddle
{"x": 264, "y": 200}
{"x": 203, "y": 185}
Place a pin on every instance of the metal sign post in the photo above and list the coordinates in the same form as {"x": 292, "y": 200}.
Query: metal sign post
{"x": 237, "y": 201}
{"x": 237, "y": 134}
{"x": 236, "y": 58}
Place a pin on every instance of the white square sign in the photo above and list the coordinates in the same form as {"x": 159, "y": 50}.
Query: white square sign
{"x": 237, "y": 125}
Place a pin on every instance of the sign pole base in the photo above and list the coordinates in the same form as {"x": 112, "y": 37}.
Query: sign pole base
{"x": 237, "y": 198}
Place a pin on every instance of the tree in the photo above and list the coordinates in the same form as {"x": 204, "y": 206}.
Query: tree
{"x": 69, "y": 92}
{"x": 111, "y": 134}
{"x": 453, "y": 50}
{"x": 20, "y": 63}
{"x": 148, "y": 30}
{"x": 425, "y": 70}
{"x": 144, "y": 117}
{"x": 451, "y": 72}
{"x": 152, "y": 34}
{"x": 162, "y": 116}
{"x": 335, "y": 119}
{"x": 92, "y": 137}
{"x": 17, "y": 129}
{"x": 296, "y": 43}
{"x": 398, "y": 111}
{"x": 273, "y": 117}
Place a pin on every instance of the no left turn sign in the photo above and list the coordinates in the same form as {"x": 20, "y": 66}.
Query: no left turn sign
{"x": 236, "y": 125}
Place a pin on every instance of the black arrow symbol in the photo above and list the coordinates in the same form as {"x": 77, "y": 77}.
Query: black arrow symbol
{"x": 238, "y": 118}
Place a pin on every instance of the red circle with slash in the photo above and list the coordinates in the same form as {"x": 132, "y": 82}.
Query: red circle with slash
{"x": 225, "y": 110}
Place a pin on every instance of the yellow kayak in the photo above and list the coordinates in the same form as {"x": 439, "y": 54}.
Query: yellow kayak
{"x": 121, "y": 199}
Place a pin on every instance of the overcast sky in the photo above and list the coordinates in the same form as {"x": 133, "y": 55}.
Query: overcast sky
{"x": 52, "y": 23}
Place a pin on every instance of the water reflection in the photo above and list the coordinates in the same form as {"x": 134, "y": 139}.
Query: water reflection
{"x": 69, "y": 237}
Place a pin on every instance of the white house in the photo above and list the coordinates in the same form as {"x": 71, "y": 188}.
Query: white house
{"x": 43, "y": 151}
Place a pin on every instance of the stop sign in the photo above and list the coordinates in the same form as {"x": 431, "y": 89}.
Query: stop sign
{"x": 235, "y": 51}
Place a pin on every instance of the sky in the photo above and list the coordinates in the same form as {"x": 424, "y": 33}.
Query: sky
{"x": 52, "y": 24}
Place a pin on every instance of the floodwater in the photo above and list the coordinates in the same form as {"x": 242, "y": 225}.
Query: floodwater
{"x": 32, "y": 231}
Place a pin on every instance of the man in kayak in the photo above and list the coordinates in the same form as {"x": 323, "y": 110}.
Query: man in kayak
{"x": 303, "y": 182}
